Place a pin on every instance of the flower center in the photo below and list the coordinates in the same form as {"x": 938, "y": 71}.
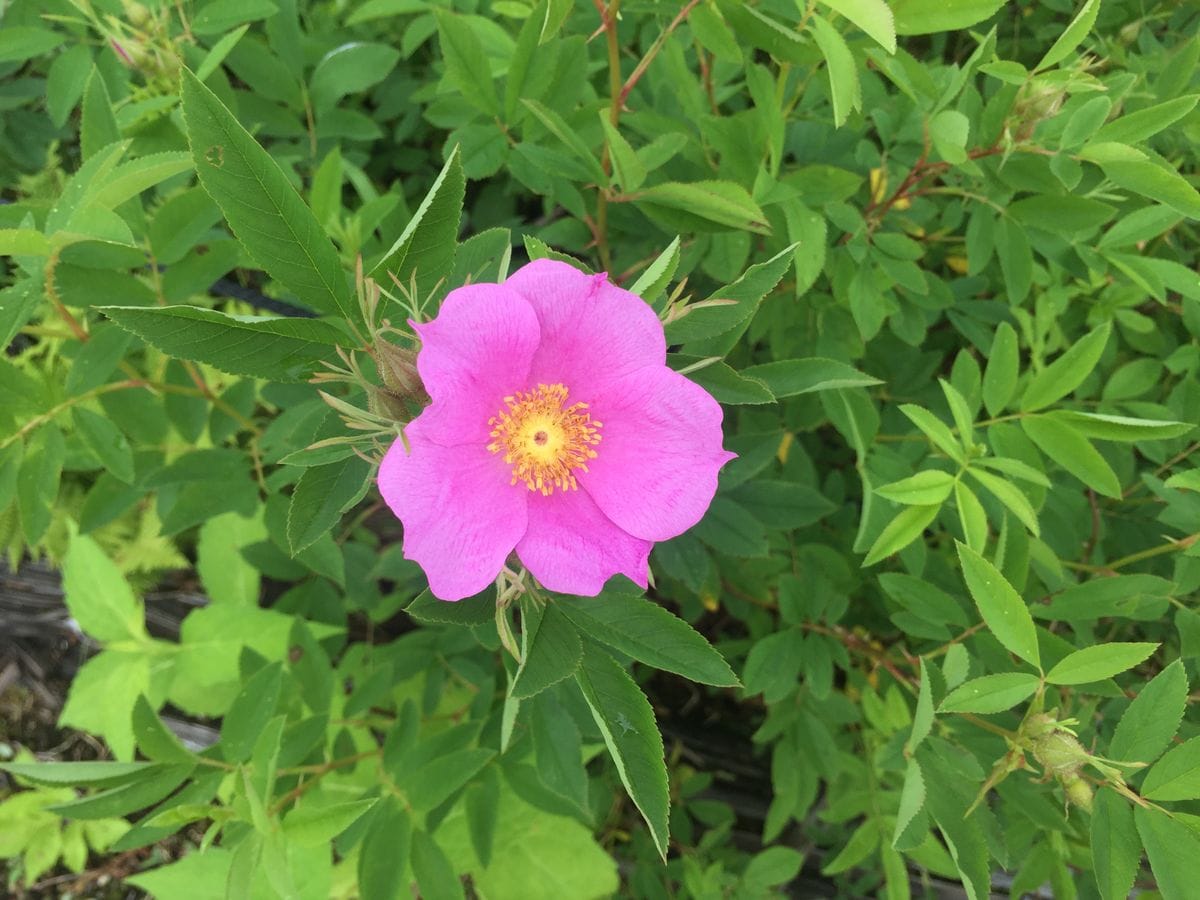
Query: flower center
{"x": 543, "y": 439}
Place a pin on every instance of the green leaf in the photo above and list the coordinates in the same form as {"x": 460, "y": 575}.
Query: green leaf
{"x": 221, "y": 15}
{"x": 971, "y": 515}
{"x": 66, "y": 82}
{"x": 1013, "y": 467}
{"x": 923, "y": 599}
{"x": 154, "y": 739}
{"x": 934, "y": 429}
{"x": 730, "y": 315}
{"x": 103, "y": 694}
{"x": 23, "y": 242}
{"x": 1067, "y": 372}
{"x": 930, "y": 16}
{"x": 950, "y": 130}
{"x": 1116, "y": 850}
{"x": 770, "y": 868}
{"x": 384, "y": 857}
{"x": 20, "y": 42}
{"x": 273, "y": 347}
{"x": 37, "y": 480}
{"x": 1071, "y": 215}
{"x": 432, "y": 784}
{"x": 845, "y": 92}
{"x": 426, "y": 247}
{"x": 466, "y": 62}
{"x": 930, "y": 487}
{"x": 720, "y": 380}
{"x": 1146, "y": 728}
{"x": 80, "y": 774}
{"x": 991, "y": 693}
{"x": 1072, "y": 35}
{"x": 628, "y": 170}
{"x": 652, "y": 282}
{"x": 1135, "y": 127}
{"x": 261, "y": 206}
{"x": 766, "y": 33}
{"x": 1172, "y": 848}
{"x": 482, "y": 800}
{"x": 435, "y": 874}
{"x": 227, "y": 576}
{"x": 551, "y": 649}
{"x": 643, "y": 630}
{"x": 1012, "y": 497}
{"x": 476, "y": 610}
{"x": 98, "y": 125}
{"x": 872, "y": 16}
{"x": 714, "y": 34}
{"x": 1099, "y": 662}
{"x": 558, "y": 750}
{"x": 350, "y": 68}
{"x": 1073, "y": 452}
{"x": 793, "y": 377}
{"x": 912, "y": 798}
{"x": 105, "y": 440}
{"x": 905, "y": 528}
{"x": 862, "y": 843}
{"x": 1015, "y": 254}
{"x": 322, "y": 494}
{"x": 731, "y": 529}
{"x": 922, "y": 718}
{"x": 626, "y": 720}
{"x": 557, "y": 126}
{"x": 148, "y": 789}
{"x": 1002, "y": 608}
{"x": 1124, "y": 596}
{"x": 1120, "y": 428}
{"x": 98, "y": 596}
{"x": 1176, "y": 776}
{"x": 1158, "y": 183}
{"x": 312, "y": 826}
{"x": 325, "y": 195}
{"x": 783, "y": 504}
{"x": 723, "y": 203}
{"x": 253, "y": 707}
{"x": 131, "y": 178}
{"x": 1085, "y": 121}
{"x": 212, "y": 61}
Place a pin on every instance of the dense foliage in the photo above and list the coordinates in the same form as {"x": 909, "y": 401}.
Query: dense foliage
{"x": 937, "y": 261}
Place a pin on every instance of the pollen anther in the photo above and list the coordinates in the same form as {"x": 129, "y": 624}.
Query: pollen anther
{"x": 544, "y": 440}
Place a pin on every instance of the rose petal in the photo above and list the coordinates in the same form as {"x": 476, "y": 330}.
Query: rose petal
{"x": 474, "y": 354}
{"x": 656, "y": 465}
{"x": 461, "y": 515}
{"x": 572, "y": 547}
{"x": 592, "y": 331}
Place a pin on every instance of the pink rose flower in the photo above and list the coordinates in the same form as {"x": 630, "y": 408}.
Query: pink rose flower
{"x": 556, "y": 430}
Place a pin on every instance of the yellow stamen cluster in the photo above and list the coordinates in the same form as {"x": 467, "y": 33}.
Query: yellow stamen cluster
{"x": 544, "y": 440}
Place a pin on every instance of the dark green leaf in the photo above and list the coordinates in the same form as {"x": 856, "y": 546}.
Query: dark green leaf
{"x": 625, "y": 718}
{"x": 991, "y": 693}
{"x": 261, "y": 206}
{"x": 1002, "y": 608}
{"x": 271, "y": 347}
{"x": 425, "y": 249}
{"x": 643, "y": 630}
{"x": 1146, "y": 728}
{"x": 552, "y": 649}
